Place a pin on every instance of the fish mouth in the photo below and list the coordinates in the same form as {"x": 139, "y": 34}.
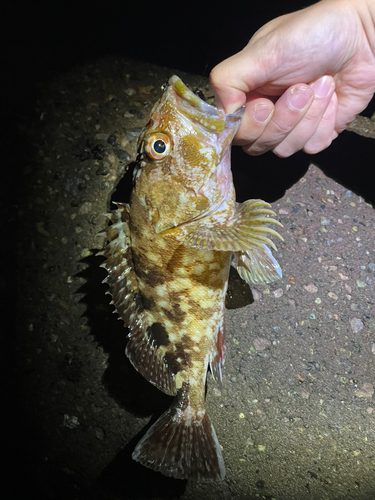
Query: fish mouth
{"x": 210, "y": 118}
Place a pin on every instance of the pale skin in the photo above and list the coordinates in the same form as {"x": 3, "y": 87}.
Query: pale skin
{"x": 303, "y": 77}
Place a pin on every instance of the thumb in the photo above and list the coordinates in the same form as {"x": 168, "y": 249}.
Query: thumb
{"x": 234, "y": 78}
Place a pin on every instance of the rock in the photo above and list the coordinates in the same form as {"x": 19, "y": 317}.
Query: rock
{"x": 85, "y": 208}
{"x": 121, "y": 154}
{"x": 366, "y": 391}
{"x": 356, "y": 325}
{"x": 133, "y": 133}
{"x": 311, "y": 288}
{"x": 261, "y": 344}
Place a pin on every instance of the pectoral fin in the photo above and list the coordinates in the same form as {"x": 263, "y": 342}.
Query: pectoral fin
{"x": 246, "y": 230}
{"x": 257, "y": 265}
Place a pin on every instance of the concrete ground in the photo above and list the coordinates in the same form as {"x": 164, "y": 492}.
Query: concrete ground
{"x": 295, "y": 413}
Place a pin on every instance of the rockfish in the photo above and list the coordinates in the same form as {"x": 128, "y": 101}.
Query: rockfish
{"x": 168, "y": 258}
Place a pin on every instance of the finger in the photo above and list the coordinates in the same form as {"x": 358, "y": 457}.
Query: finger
{"x": 234, "y": 78}
{"x": 323, "y": 89}
{"x": 325, "y": 133}
{"x": 258, "y": 113}
{"x": 289, "y": 110}
{"x": 225, "y": 86}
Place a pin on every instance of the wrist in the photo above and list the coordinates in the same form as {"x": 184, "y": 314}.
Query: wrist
{"x": 366, "y": 12}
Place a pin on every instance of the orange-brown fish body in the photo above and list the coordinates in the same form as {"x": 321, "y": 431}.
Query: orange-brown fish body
{"x": 168, "y": 261}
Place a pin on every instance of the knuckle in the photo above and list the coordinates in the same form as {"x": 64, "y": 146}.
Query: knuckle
{"x": 281, "y": 128}
{"x": 314, "y": 146}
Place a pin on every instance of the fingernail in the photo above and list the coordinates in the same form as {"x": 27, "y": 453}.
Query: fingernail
{"x": 322, "y": 86}
{"x": 261, "y": 113}
{"x": 299, "y": 98}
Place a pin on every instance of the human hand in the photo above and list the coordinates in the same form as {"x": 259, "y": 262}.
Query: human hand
{"x": 303, "y": 77}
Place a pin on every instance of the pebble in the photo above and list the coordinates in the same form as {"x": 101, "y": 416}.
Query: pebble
{"x": 101, "y": 137}
{"x": 134, "y": 132}
{"x": 311, "y": 288}
{"x": 130, "y": 91}
{"x": 278, "y": 293}
{"x": 332, "y": 295}
{"x": 146, "y": 90}
{"x": 121, "y": 154}
{"x": 372, "y": 266}
{"x": 356, "y": 325}
{"x": 99, "y": 433}
{"x": 70, "y": 421}
{"x": 366, "y": 391}
{"x": 85, "y": 208}
{"x": 85, "y": 253}
{"x": 102, "y": 171}
{"x": 261, "y": 344}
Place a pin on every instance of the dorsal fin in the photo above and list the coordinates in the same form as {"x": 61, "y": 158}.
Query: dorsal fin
{"x": 146, "y": 357}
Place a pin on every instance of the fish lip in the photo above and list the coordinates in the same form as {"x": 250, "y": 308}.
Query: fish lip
{"x": 204, "y": 106}
{"x": 182, "y": 90}
{"x": 206, "y": 116}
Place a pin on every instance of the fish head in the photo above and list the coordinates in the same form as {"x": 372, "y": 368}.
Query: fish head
{"x": 183, "y": 171}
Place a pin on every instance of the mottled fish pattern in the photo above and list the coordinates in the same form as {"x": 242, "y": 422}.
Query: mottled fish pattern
{"x": 168, "y": 257}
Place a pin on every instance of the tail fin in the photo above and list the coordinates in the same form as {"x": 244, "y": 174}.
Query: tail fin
{"x": 182, "y": 444}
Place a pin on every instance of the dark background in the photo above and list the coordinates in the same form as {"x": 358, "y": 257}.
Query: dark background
{"x": 44, "y": 39}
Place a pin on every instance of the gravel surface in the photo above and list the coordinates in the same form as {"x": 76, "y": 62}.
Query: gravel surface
{"x": 295, "y": 414}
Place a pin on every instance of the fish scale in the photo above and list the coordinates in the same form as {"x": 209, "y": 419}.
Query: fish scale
{"x": 168, "y": 257}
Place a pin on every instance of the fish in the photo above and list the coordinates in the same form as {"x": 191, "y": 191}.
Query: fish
{"x": 168, "y": 257}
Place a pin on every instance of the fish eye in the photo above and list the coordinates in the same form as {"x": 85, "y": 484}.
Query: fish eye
{"x": 157, "y": 146}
